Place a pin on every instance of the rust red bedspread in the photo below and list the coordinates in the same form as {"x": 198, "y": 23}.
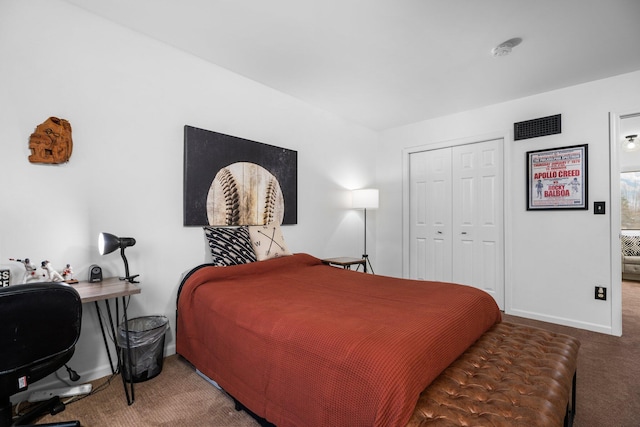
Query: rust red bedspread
{"x": 301, "y": 343}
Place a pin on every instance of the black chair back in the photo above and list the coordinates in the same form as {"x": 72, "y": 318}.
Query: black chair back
{"x": 39, "y": 327}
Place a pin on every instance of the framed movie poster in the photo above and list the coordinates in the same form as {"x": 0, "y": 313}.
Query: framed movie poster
{"x": 557, "y": 178}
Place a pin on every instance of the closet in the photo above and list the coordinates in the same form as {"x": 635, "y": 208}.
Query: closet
{"x": 456, "y": 216}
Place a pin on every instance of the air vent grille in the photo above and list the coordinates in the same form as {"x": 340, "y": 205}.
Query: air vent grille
{"x": 538, "y": 127}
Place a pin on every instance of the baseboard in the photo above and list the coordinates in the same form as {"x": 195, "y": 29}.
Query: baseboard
{"x": 603, "y": 329}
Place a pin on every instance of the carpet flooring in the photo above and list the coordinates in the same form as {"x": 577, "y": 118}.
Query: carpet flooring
{"x": 608, "y": 390}
{"x": 608, "y": 380}
{"x": 176, "y": 397}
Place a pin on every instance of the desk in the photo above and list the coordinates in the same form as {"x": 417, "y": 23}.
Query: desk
{"x": 111, "y": 288}
{"x": 346, "y": 262}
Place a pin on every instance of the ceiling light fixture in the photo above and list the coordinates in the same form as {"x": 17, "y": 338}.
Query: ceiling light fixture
{"x": 504, "y": 49}
{"x": 630, "y": 144}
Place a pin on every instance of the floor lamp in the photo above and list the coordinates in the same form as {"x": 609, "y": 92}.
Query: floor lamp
{"x": 365, "y": 199}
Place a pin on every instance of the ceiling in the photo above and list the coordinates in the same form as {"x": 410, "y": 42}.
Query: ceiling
{"x": 385, "y": 63}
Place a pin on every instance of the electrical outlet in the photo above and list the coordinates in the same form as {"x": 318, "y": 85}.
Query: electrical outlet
{"x": 601, "y": 293}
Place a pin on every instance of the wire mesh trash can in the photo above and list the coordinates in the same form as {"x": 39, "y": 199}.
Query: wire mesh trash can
{"x": 146, "y": 339}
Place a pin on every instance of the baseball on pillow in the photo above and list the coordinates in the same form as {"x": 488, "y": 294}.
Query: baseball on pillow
{"x": 268, "y": 242}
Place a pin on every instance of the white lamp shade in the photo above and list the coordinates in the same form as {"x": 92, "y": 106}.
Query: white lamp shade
{"x": 366, "y": 198}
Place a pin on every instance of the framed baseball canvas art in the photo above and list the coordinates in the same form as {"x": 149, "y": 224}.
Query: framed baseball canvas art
{"x": 235, "y": 181}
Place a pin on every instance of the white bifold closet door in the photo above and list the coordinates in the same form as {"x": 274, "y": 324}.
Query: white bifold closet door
{"x": 456, "y": 216}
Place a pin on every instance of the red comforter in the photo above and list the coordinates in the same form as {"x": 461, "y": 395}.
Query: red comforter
{"x": 304, "y": 344}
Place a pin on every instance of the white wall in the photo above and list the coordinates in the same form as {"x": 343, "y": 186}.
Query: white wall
{"x": 554, "y": 258}
{"x": 128, "y": 98}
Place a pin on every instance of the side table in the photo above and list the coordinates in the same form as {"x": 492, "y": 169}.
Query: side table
{"x": 347, "y": 262}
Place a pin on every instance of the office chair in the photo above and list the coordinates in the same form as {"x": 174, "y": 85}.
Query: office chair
{"x": 39, "y": 327}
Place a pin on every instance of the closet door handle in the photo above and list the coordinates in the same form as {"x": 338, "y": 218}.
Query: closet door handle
{"x": 439, "y": 232}
{"x": 464, "y": 232}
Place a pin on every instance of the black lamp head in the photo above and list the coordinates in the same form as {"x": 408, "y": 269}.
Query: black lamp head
{"x": 108, "y": 243}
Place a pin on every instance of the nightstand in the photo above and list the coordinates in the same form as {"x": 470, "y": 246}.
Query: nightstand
{"x": 347, "y": 262}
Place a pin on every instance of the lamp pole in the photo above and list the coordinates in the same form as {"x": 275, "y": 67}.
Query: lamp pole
{"x": 363, "y": 199}
{"x": 365, "y": 256}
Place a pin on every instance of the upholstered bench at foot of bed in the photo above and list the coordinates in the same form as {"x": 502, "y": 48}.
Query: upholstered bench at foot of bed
{"x": 514, "y": 375}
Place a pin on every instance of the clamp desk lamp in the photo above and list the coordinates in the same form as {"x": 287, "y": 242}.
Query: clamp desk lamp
{"x": 108, "y": 243}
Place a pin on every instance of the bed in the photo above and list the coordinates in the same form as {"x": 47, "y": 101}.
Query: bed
{"x": 301, "y": 343}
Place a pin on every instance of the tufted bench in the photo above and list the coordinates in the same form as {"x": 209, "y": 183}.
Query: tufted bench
{"x": 514, "y": 375}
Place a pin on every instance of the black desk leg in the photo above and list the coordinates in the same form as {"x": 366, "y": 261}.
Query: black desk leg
{"x": 104, "y": 335}
{"x": 130, "y": 398}
{"x": 113, "y": 329}
{"x": 120, "y": 365}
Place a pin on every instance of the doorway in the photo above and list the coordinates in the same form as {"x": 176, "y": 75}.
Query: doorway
{"x": 621, "y": 125}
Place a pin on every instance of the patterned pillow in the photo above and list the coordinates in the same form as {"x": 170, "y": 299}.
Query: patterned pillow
{"x": 230, "y": 245}
{"x": 630, "y": 245}
{"x": 267, "y": 241}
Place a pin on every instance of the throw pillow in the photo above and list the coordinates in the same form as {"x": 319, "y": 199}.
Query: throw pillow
{"x": 230, "y": 245}
{"x": 630, "y": 245}
{"x": 267, "y": 241}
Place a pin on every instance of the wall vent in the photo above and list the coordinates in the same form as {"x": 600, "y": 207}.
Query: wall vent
{"x": 538, "y": 127}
